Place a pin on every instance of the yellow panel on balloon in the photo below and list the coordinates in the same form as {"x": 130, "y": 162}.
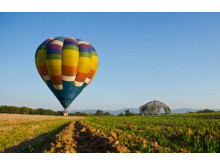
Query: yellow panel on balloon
{"x": 54, "y": 67}
{"x": 41, "y": 57}
{"x": 94, "y": 62}
{"x": 70, "y": 57}
{"x": 84, "y": 64}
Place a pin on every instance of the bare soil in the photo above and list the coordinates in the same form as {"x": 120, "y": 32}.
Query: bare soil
{"x": 20, "y": 117}
{"x": 78, "y": 137}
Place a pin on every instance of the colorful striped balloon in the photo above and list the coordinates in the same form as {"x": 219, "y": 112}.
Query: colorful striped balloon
{"x": 67, "y": 65}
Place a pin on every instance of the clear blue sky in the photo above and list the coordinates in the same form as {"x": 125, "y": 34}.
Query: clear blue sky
{"x": 171, "y": 57}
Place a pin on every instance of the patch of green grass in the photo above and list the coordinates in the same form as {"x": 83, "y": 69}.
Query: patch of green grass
{"x": 177, "y": 132}
{"x": 24, "y": 131}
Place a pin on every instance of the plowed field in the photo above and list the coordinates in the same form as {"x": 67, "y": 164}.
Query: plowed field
{"x": 111, "y": 134}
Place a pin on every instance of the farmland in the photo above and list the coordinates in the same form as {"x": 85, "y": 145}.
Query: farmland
{"x": 181, "y": 133}
{"x": 164, "y": 133}
{"x": 27, "y": 133}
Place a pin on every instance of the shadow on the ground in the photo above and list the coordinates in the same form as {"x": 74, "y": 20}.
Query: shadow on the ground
{"x": 38, "y": 144}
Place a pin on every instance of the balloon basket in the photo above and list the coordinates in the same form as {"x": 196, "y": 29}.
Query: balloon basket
{"x": 65, "y": 113}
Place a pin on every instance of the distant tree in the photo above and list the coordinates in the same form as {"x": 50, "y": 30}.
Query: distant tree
{"x": 84, "y": 114}
{"x": 78, "y": 114}
{"x": 107, "y": 114}
{"x": 99, "y": 112}
{"x": 121, "y": 114}
{"x": 24, "y": 110}
{"x": 127, "y": 111}
{"x": 205, "y": 111}
{"x": 133, "y": 114}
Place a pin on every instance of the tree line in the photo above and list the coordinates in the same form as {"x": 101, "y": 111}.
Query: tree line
{"x": 41, "y": 111}
{"x": 26, "y": 110}
{"x": 127, "y": 113}
{"x": 203, "y": 111}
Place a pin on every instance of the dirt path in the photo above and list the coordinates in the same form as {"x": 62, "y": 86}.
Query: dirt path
{"x": 80, "y": 138}
{"x": 6, "y": 119}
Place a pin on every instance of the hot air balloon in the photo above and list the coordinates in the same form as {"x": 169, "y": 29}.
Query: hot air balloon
{"x": 67, "y": 65}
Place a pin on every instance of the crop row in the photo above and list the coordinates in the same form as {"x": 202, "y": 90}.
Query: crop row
{"x": 171, "y": 133}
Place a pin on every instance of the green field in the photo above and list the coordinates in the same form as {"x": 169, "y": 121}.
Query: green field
{"x": 194, "y": 133}
{"x": 27, "y": 133}
{"x": 181, "y": 133}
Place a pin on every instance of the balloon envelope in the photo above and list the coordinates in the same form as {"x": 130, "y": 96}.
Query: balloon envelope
{"x": 67, "y": 65}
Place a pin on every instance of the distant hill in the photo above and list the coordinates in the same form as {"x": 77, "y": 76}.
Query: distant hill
{"x": 136, "y": 110}
{"x": 113, "y": 112}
